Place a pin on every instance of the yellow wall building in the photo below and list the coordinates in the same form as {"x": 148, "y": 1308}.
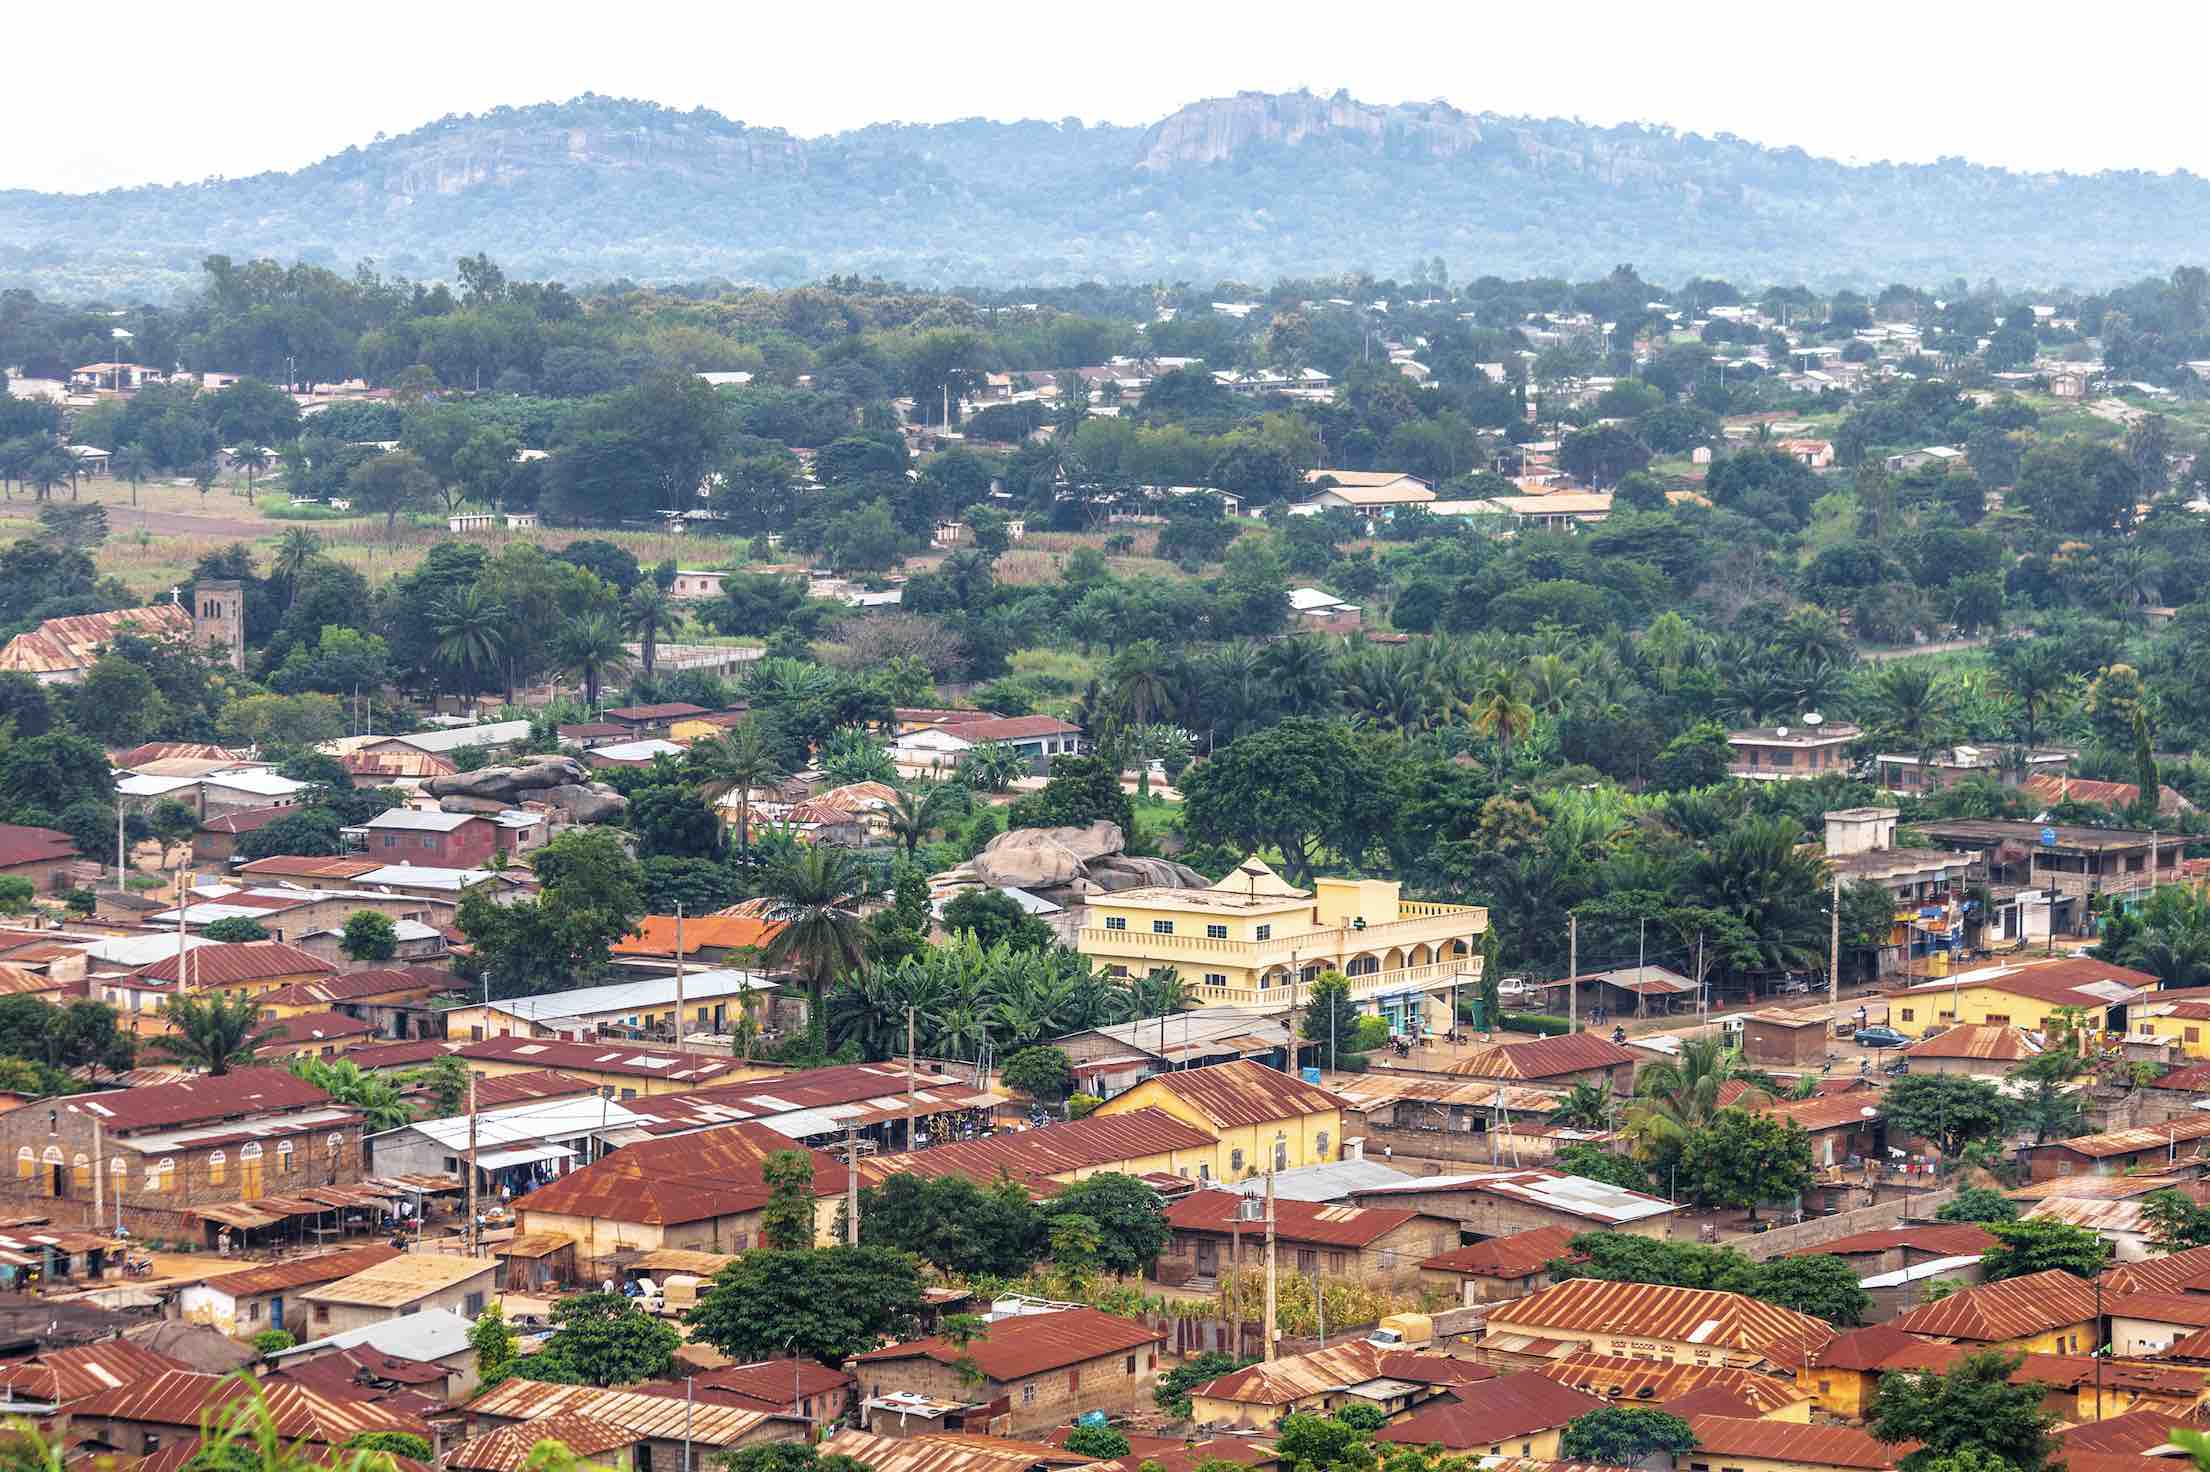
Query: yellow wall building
{"x": 1258, "y": 1117}
{"x": 2040, "y": 1313}
{"x": 2179, "y": 1017}
{"x": 2022, "y": 996}
{"x": 1253, "y": 938}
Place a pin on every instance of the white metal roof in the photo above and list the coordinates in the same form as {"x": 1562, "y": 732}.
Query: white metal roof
{"x": 424, "y": 876}
{"x": 1559, "y": 1192}
{"x": 258, "y": 783}
{"x": 1329, "y": 1182}
{"x": 414, "y": 820}
{"x": 637, "y": 751}
{"x": 536, "y": 1122}
{"x": 624, "y": 996}
{"x": 494, "y": 733}
{"x": 431, "y": 1334}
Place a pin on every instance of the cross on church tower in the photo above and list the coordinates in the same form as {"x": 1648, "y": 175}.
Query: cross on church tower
{"x": 176, "y": 596}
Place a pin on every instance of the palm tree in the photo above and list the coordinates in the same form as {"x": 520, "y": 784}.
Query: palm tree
{"x": 1302, "y": 673}
{"x": 297, "y": 548}
{"x": 1675, "y": 1097}
{"x": 252, "y": 459}
{"x": 591, "y": 646}
{"x": 1586, "y": 1107}
{"x": 134, "y": 463}
{"x": 813, "y": 899}
{"x": 913, "y": 815}
{"x": 992, "y": 766}
{"x": 1138, "y": 680}
{"x": 1501, "y": 709}
{"x": 471, "y": 635}
{"x": 51, "y": 467}
{"x": 1551, "y": 682}
{"x": 731, "y": 765}
{"x": 213, "y": 1032}
{"x": 648, "y": 614}
{"x": 1912, "y": 706}
{"x": 2034, "y": 671}
{"x": 343, "y": 1080}
{"x": 1392, "y": 688}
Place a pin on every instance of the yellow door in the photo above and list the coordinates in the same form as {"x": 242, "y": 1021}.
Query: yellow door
{"x": 249, "y": 1176}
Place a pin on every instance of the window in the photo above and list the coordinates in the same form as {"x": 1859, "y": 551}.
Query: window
{"x": 1320, "y": 1144}
{"x": 391, "y": 840}
{"x": 472, "y": 1305}
{"x": 429, "y": 843}
{"x": 1235, "y": 1160}
{"x": 1074, "y": 1381}
{"x": 253, "y": 1311}
{"x": 283, "y": 1156}
{"x": 2194, "y": 1034}
{"x": 1028, "y": 1393}
{"x": 150, "y": 1444}
{"x": 1216, "y": 932}
{"x": 1116, "y": 922}
{"x": 1131, "y": 1366}
{"x": 82, "y": 1168}
{"x": 1388, "y": 1259}
{"x": 26, "y": 1163}
{"x": 1909, "y": 1015}
{"x": 1204, "y": 1171}
{"x": 1263, "y": 932}
{"x": 1826, "y": 1387}
{"x": 1220, "y": 978}
{"x": 629, "y": 1094}
{"x": 322, "y": 1313}
{"x": 218, "y": 1167}
{"x": 1162, "y": 927}
{"x": 1335, "y": 1262}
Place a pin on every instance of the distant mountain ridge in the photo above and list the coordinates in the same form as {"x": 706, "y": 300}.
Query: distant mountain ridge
{"x": 1250, "y": 187}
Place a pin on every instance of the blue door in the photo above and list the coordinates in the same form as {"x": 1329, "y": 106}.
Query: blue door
{"x": 276, "y": 1313}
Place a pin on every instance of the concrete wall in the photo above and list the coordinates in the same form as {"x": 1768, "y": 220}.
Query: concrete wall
{"x": 1783, "y": 1240}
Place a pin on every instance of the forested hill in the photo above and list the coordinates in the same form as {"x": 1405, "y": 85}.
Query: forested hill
{"x": 1251, "y": 188}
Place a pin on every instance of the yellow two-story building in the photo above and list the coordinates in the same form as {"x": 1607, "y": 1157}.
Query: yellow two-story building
{"x": 1254, "y": 938}
{"x": 1258, "y": 1118}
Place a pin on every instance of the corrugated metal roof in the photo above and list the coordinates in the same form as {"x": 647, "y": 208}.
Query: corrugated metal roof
{"x": 2134, "y": 1432}
{"x": 2012, "y": 1309}
{"x": 1540, "y": 1058}
{"x": 1048, "y": 1153}
{"x": 626, "y": 1059}
{"x": 402, "y": 1279}
{"x": 657, "y": 1416}
{"x": 507, "y": 1448}
{"x": 1244, "y": 1093}
{"x": 2065, "y": 1371}
{"x": 1784, "y": 1441}
{"x": 2092, "y": 1215}
{"x": 235, "y": 1094}
{"x": 2095, "y": 1188}
{"x": 2133, "y": 1141}
{"x": 2076, "y": 981}
{"x": 60, "y": 645}
{"x": 299, "y": 1272}
{"x": 1370, "y": 1091}
{"x": 1517, "y": 1255}
{"x": 186, "y": 1397}
{"x": 58, "y": 1376}
{"x": 1294, "y": 1221}
{"x": 818, "y": 1100}
{"x": 1285, "y": 1381}
{"x": 1484, "y": 1414}
{"x": 1990, "y": 1042}
{"x": 2191, "y": 1309}
{"x": 1334, "y": 1180}
{"x": 1617, "y": 1378}
{"x": 929, "y": 1453}
{"x": 1652, "y": 1311}
{"x": 683, "y": 1178}
{"x": 1594, "y": 1201}
{"x": 1030, "y": 1344}
{"x": 252, "y": 960}
{"x": 1826, "y": 1111}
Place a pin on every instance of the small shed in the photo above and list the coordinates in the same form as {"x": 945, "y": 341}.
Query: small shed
{"x": 536, "y": 1261}
{"x": 1783, "y": 1039}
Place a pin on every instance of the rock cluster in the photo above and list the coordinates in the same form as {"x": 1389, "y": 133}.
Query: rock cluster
{"x": 1067, "y": 865}
{"x": 560, "y": 781}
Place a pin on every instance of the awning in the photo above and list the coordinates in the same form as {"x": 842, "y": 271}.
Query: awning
{"x": 683, "y": 1260}
{"x": 237, "y": 1214}
{"x": 523, "y": 1155}
{"x": 534, "y": 1244}
{"x": 410, "y": 1185}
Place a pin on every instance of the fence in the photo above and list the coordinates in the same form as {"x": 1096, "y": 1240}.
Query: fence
{"x": 1821, "y": 1230}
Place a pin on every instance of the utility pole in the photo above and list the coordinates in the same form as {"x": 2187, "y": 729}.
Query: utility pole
{"x": 2097, "y": 1350}
{"x": 1235, "y": 1279}
{"x": 678, "y": 975}
{"x": 851, "y": 1184}
{"x": 99, "y": 1181}
{"x": 909, "y": 1065}
{"x": 1270, "y": 1284}
{"x": 122, "y": 864}
{"x": 1572, "y": 970}
{"x": 475, "y": 1224}
{"x": 1320, "y": 1306}
{"x": 1834, "y": 946}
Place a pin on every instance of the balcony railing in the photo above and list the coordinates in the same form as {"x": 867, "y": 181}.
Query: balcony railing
{"x": 1434, "y": 976}
{"x": 1331, "y": 946}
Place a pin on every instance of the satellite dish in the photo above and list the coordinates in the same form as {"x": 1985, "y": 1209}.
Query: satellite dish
{"x": 1813, "y": 719}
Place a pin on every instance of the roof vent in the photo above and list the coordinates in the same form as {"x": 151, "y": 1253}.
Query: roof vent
{"x": 1780, "y": 730}
{"x": 1813, "y": 719}
{"x": 1645, "y": 1392}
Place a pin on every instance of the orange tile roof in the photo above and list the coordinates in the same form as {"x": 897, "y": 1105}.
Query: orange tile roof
{"x": 2015, "y": 1308}
{"x": 656, "y": 934}
{"x": 60, "y": 645}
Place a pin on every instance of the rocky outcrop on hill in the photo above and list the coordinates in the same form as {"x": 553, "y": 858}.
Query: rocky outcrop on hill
{"x": 559, "y": 781}
{"x": 1219, "y": 128}
{"x": 1066, "y": 865}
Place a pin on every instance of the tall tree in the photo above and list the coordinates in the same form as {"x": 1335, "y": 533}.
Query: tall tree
{"x": 731, "y": 766}
{"x": 214, "y": 1033}
{"x": 591, "y": 646}
{"x": 812, "y": 898}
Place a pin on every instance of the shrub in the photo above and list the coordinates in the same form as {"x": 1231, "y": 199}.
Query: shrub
{"x": 1542, "y": 1024}
{"x": 272, "y": 1341}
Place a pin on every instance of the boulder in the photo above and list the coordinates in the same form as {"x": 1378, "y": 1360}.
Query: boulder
{"x": 1037, "y": 861}
{"x": 471, "y": 805}
{"x": 588, "y": 803}
{"x": 1119, "y": 872}
{"x": 506, "y": 785}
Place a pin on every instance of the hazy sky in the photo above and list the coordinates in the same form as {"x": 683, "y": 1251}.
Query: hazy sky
{"x": 155, "y": 92}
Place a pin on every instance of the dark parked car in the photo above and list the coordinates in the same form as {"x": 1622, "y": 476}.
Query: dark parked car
{"x": 1880, "y": 1037}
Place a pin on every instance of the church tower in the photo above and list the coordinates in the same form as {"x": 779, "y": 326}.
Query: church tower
{"x": 219, "y": 620}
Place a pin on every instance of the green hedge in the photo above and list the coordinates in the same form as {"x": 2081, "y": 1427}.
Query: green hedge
{"x": 1542, "y": 1024}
